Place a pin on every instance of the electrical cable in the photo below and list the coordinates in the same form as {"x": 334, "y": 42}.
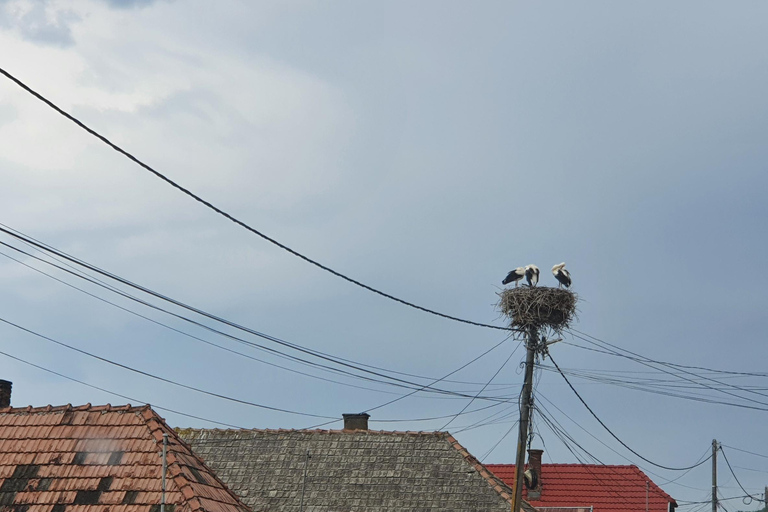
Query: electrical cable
{"x": 23, "y": 237}
{"x": 486, "y": 454}
{"x": 744, "y": 451}
{"x": 441, "y": 378}
{"x": 234, "y": 219}
{"x": 679, "y": 367}
{"x": 630, "y": 385}
{"x": 162, "y": 379}
{"x": 737, "y": 478}
{"x": 210, "y": 316}
{"x": 614, "y": 435}
{"x": 707, "y": 453}
{"x": 647, "y": 362}
{"x": 179, "y": 331}
{"x": 113, "y": 393}
{"x": 483, "y": 389}
{"x": 280, "y": 354}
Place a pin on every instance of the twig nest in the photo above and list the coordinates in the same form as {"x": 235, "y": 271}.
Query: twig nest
{"x": 538, "y": 307}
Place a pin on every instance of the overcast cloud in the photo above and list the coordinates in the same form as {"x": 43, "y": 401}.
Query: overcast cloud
{"x": 425, "y": 148}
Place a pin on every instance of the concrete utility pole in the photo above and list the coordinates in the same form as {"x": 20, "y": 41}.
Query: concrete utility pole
{"x": 714, "y": 475}
{"x": 525, "y": 413}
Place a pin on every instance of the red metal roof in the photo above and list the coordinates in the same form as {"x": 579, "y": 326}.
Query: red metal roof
{"x": 97, "y": 459}
{"x": 605, "y": 488}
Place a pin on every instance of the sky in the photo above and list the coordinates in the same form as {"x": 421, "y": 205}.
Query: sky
{"x": 425, "y": 149}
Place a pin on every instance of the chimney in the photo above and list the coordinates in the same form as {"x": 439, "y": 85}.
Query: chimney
{"x": 534, "y": 465}
{"x": 357, "y": 421}
{"x": 5, "y": 393}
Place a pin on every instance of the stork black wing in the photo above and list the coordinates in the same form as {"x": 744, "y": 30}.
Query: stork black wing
{"x": 564, "y": 277}
{"x": 512, "y": 277}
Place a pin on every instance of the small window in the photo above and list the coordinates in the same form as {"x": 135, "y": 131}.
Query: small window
{"x": 130, "y": 497}
{"x": 197, "y": 475}
{"x": 115, "y": 458}
{"x": 87, "y": 497}
{"x": 104, "y": 483}
{"x": 44, "y": 484}
{"x": 80, "y": 458}
{"x": 168, "y": 508}
{"x": 59, "y": 507}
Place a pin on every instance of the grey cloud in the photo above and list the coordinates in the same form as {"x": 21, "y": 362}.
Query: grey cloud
{"x": 129, "y": 4}
{"x": 39, "y": 24}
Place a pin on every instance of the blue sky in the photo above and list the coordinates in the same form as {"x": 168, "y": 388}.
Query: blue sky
{"x": 423, "y": 148}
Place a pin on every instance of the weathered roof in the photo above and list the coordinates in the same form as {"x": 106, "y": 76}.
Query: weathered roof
{"x": 97, "y": 459}
{"x": 606, "y": 488}
{"x": 350, "y": 470}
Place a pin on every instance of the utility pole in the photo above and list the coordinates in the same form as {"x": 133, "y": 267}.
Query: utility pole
{"x": 714, "y": 475}
{"x": 525, "y": 413}
{"x": 165, "y": 470}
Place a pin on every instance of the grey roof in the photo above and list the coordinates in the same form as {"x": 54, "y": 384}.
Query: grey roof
{"x": 350, "y": 471}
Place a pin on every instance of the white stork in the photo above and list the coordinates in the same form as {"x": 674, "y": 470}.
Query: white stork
{"x": 514, "y": 275}
{"x": 532, "y": 275}
{"x": 562, "y": 275}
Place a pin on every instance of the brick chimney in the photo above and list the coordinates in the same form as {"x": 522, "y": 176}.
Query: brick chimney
{"x": 357, "y": 421}
{"x": 5, "y": 393}
{"x": 534, "y": 465}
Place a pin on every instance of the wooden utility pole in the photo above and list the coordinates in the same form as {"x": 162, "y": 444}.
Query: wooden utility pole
{"x": 525, "y": 413}
{"x": 714, "y": 475}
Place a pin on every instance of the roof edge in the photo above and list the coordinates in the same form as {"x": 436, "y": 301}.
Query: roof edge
{"x": 496, "y": 483}
{"x": 77, "y": 408}
{"x": 435, "y": 433}
{"x": 157, "y": 427}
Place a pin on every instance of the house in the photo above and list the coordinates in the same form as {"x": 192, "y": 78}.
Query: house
{"x": 100, "y": 459}
{"x": 588, "y": 487}
{"x": 350, "y": 470}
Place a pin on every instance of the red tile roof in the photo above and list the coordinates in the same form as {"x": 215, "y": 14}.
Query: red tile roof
{"x": 99, "y": 459}
{"x": 606, "y": 488}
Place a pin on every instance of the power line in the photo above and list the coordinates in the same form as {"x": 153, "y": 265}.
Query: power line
{"x": 51, "y": 252}
{"x": 327, "y": 357}
{"x": 614, "y": 435}
{"x": 737, "y": 478}
{"x": 113, "y": 393}
{"x": 745, "y": 451}
{"x": 234, "y": 219}
{"x": 649, "y": 363}
{"x": 438, "y": 380}
{"x": 681, "y": 368}
{"x": 483, "y": 389}
{"x": 179, "y": 331}
{"x": 278, "y": 353}
{"x": 489, "y": 452}
{"x": 162, "y": 379}
{"x": 707, "y": 451}
{"x": 636, "y": 386}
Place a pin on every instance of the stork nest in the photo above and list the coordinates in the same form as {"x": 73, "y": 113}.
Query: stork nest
{"x": 539, "y": 307}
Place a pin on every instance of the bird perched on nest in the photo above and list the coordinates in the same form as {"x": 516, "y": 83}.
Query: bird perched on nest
{"x": 532, "y": 275}
{"x": 562, "y": 275}
{"x": 514, "y": 275}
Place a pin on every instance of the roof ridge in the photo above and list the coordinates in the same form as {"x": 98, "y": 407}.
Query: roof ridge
{"x": 573, "y": 464}
{"x": 315, "y": 431}
{"x": 69, "y": 407}
{"x": 654, "y": 484}
{"x": 495, "y": 482}
{"x": 157, "y": 427}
